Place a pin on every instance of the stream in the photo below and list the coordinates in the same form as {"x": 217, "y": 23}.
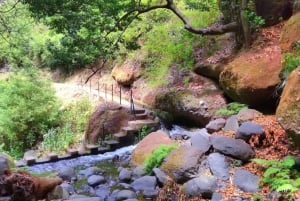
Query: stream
{"x": 90, "y": 160}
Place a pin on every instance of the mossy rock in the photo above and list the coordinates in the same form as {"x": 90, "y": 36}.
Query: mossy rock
{"x": 191, "y": 107}
{"x": 288, "y": 110}
{"x": 10, "y": 160}
{"x": 147, "y": 145}
{"x": 182, "y": 162}
{"x": 290, "y": 33}
{"x": 251, "y": 78}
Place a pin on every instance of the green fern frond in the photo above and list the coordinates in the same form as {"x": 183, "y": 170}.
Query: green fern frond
{"x": 297, "y": 182}
{"x": 288, "y": 162}
{"x": 286, "y": 188}
{"x": 270, "y": 171}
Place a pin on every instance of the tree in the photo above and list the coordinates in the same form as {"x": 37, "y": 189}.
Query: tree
{"x": 93, "y": 28}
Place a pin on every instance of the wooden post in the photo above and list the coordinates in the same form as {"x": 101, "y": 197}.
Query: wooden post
{"x": 98, "y": 88}
{"x": 105, "y": 92}
{"x": 90, "y": 85}
{"x": 120, "y": 96}
{"x": 112, "y": 92}
{"x": 132, "y": 105}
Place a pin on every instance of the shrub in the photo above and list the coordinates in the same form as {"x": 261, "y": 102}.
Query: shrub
{"x": 28, "y": 108}
{"x": 280, "y": 175}
{"x": 231, "y": 109}
{"x": 157, "y": 156}
{"x": 74, "y": 118}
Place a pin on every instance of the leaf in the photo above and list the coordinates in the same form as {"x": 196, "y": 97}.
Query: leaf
{"x": 270, "y": 171}
{"x": 286, "y": 188}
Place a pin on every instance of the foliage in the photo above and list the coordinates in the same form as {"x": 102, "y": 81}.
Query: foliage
{"x": 74, "y": 118}
{"x": 254, "y": 20}
{"x": 28, "y": 108}
{"x": 291, "y": 61}
{"x": 231, "y": 109}
{"x": 22, "y": 40}
{"x": 157, "y": 157}
{"x": 280, "y": 175}
{"x": 175, "y": 45}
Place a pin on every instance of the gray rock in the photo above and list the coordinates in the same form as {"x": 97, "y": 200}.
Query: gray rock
{"x": 66, "y": 173}
{"x": 160, "y": 175}
{"x": 144, "y": 183}
{"x": 233, "y": 147}
{"x": 6, "y": 198}
{"x": 3, "y": 164}
{"x": 95, "y": 180}
{"x": 216, "y": 197}
{"x": 215, "y": 125}
{"x": 68, "y": 187}
{"x": 125, "y": 175}
{"x": 200, "y": 140}
{"x": 232, "y": 124}
{"x": 247, "y": 115}
{"x": 125, "y": 194}
{"x": 58, "y": 193}
{"x": 138, "y": 172}
{"x": 245, "y": 180}
{"x": 150, "y": 194}
{"x": 218, "y": 166}
{"x": 83, "y": 198}
{"x": 102, "y": 192}
{"x": 203, "y": 186}
{"x": 247, "y": 129}
{"x": 131, "y": 199}
{"x": 90, "y": 171}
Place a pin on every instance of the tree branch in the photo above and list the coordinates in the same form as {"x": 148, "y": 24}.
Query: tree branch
{"x": 214, "y": 30}
{"x": 95, "y": 71}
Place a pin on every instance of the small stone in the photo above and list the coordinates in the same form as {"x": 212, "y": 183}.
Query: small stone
{"x": 247, "y": 129}
{"x": 245, "y": 180}
{"x": 125, "y": 175}
{"x": 160, "y": 175}
{"x": 66, "y": 173}
{"x": 91, "y": 171}
{"x": 144, "y": 183}
{"x": 219, "y": 166}
{"x": 138, "y": 172}
{"x": 200, "y": 140}
{"x": 232, "y": 124}
{"x": 125, "y": 194}
{"x": 216, "y": 197}
{"x": 215, "y": 125}
{"x": 95, "y": 180}
{"x": 203, "y": 186}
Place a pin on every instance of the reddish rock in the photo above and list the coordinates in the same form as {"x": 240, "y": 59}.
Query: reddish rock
{"x": 252, "y": 77}
{"x": 288, "y": 110}
{"x": 147, "y": 145}
{"x": 111, "y": 116}
{"x": 290, "y": 33}
{"x": 127, "y": 73}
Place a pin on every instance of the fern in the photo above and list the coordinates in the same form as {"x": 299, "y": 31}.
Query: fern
{"x": 280, "y": 175}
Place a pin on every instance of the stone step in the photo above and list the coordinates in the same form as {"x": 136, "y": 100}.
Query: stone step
{"x": 129, "y": 130}
{"x": 73, "y": 152}
{"x": 103, "y": 150}
{"x": 141, "y": 116}
{"x": 92, "y": 148}
{"x": 138, "y": 124}
{"x": 112, "y": 144}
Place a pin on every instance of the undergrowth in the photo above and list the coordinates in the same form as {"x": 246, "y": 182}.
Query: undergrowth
{"x": 231, "y": 109}
{"x": 157, "y": 157}
{"x": 280, "y": 175}
{"x": 291, "y": 61}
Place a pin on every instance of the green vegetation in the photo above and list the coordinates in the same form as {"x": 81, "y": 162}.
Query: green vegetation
{"x": 231, "y": 109}
{"x": 28, "y": 108}
{"x": 157, "y": 157}
{"x": 280, "y": 175}
{"x": 23, "y": 41}
{"x": 74, "y": 118}
{"x": 291, "y": 61}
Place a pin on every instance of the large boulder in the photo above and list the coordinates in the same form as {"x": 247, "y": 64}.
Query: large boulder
{"x": 108, "y": 118}
{"x": 290, "y": 33}
{"x": 274, "y": 11}
{"x": 232, "y": 147}
{"x": 127, "y": 73}
{"x": 244, "y": 79}
{"x": 182, "y": 163}
{"x": 6, "y": 163}
{"x": 193, "y": 107}
{"x": 147, "y": 145}
{"x": 288, "y": 110}
{"x": 210, "y": 59}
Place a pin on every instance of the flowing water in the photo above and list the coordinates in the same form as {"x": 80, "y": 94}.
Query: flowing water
{"x": 81, "y": 161}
